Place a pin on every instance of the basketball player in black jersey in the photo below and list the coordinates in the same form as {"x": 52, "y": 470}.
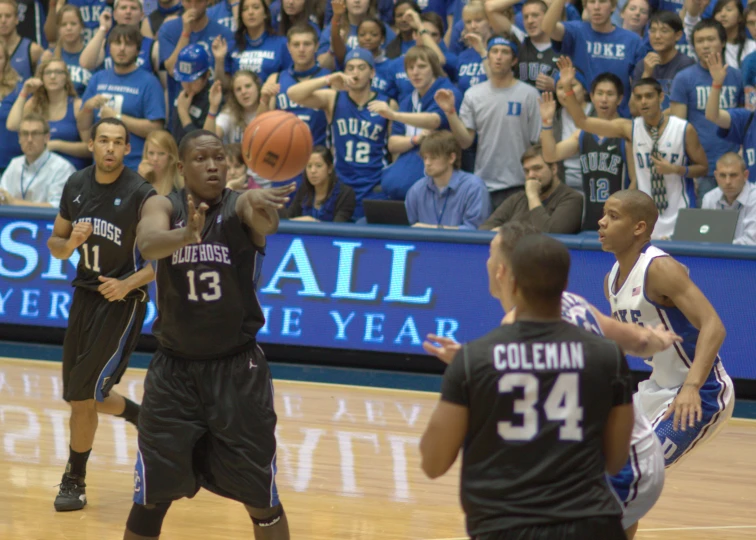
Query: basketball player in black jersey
{"x": 207, "y": 417}
{"x": 99, "y": 211}
{"x": 542, "y": 408}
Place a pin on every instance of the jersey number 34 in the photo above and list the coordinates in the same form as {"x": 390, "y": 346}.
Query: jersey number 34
{"x": 562, "y": 405}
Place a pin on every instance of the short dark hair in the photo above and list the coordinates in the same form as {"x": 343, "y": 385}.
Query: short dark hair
{"x": 511, "y": 233}
{"x": 112, "y": 121}
{"x": 302, "y": 28}
{"x": 608, "y": 78}
{"x": 435, "y": 19}
{"x": 541, "y": 3}
{"x": 649, "y": 81}
{"x": 127, "y": 32}
{"x": 541, "y": 268}
{"x": 191, "y": 136}
{"x": 670, "y": 18}
{"x": 376, "y": 21}
{"x": 709, "y": 23}
{"x": 639, "y": 205}
{"x": 36, "y": 117}
{"x": 533, "y": 152}
{"x": 442, "y": 143}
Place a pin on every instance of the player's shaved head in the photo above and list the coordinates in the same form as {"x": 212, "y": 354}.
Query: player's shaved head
{"x": 510, "y": 235}
{"x": 540, "y": 267}
{"x": 187, "y": 143}
{"x": 639, "y": 205}
{"x": 731, "y": 158}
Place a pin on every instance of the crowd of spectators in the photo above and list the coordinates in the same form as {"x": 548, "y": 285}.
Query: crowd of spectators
{"x": 473, "y": 112}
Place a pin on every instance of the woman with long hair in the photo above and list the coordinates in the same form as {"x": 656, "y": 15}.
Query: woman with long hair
{"x": 406, "y": 33}
{"x": 286, "y": 14}
{"x": 10, "y": 87}
{"x": 731, "y": 15}
{"x": 257, "y": 48}
{"x": 321, "y": 195}
{"x": 159, "y": 164}
{"x": 340, "y": 35}
{"x": 242, "y": 101}
{"x": 70, "y": 46}
{"x": 635, "y": 14}
{"x": 51, "y": 94}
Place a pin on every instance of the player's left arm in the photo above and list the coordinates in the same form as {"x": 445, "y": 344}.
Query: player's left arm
{"x": 443, "y": 438}
{"x": 258, "y": 208}
{"x": 696, "y": 155}
{"x": 635, "y": 339}
{"x": 668, "y": 280}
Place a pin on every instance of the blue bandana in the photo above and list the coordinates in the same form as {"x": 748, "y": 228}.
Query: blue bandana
{"x": 494, "y": 41}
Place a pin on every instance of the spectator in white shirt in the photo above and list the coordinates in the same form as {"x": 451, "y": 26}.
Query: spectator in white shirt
{"x": 735, "y": 193}
{"x": 37, "y": 177}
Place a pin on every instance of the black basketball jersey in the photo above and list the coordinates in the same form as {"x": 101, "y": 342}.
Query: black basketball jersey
{"x": 207, "y": 304}
{"x": 602, "y": 162}
{"x": 532, "y": 62}
{"x": 538, "y": 396}
{"x": 114, "y": 211}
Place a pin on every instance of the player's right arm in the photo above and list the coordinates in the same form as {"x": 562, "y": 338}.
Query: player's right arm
{"x": 156, "y": 240}
{"x": 66, "y": 238}
{"x": 313, "y": 94}
{"x": 445, "y": 100}
{"x": 718, "y": 72}
{"x": 555, "y": 151}
{"x": 551, "y": 24}
{"x": 619, "y": 127}
{"x": 618, "y": 429}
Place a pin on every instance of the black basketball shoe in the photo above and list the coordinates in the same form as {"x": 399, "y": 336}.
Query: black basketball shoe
{"x": 72, "y": 494}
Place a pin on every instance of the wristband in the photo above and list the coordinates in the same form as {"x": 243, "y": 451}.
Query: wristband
{"x": 546, "y": 128}
{"x": 186, "y": 35}
{"x": 212, "y": 115}
{"x": 717, "y": 86}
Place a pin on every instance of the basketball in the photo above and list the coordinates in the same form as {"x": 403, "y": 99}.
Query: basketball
{"x": 277, "y": 145}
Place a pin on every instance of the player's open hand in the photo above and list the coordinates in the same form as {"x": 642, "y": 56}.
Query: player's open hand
{"x": 216, "y": 95}
{"x": 686, "y": 408}
{"x": 663, "y": 339}
{"x": 79, "y": 234}
{"x": 566, "y": 71}
{"x": 219, "y": 47}
{"x": 274, "y": 198}
{"x": 195, "y": 221}
{"x": 445, "y": 100}
{"x": 547, "y": 105}
{"x": 112, "y": 289}
{"x": 717, "y": 68}
{"x": 446, "y": 349}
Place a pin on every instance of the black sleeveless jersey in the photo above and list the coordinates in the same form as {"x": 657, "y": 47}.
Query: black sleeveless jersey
{"x": 602, "y": 162}
{"x": 532, "y": 62}
{"x": 207, "y": 304}
{"x": 538, "y": 395}
{"x": 114, "y": 211}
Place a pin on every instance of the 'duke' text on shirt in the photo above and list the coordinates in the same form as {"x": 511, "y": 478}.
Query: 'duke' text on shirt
{"x": 538, "y": 356}
{"x": 103, "y": 229}
{"x": 201, "y": 253}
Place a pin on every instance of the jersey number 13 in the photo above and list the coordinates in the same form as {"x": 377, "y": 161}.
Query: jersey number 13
{"x": 562, "y": 405}
{"x": 210, "y": 281}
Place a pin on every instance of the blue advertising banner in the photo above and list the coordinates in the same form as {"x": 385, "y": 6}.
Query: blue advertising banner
{"x": 373, "y": 289}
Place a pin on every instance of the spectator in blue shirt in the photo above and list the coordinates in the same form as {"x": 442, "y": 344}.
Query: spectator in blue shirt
{"x": 446, "y": 197}
{"x": 322, "y": 196}
{"x": 70, "y": 46}
{"x": 286, "y": 15}
{"x": 402, "y": 22}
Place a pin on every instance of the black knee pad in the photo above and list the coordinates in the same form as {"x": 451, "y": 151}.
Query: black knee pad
{"x": 268, "y": 521}
{"x": 147, "y": 520}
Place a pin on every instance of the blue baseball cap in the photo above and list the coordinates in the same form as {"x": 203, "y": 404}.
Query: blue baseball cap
{"x": 193, "y": 61}
{"x": 498, "y": 40}
{"x": 358, "y": 53}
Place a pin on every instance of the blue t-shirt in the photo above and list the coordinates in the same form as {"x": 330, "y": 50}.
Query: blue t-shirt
{"x": 144, "y": 59}
{"x": 20, "y": 59}
{"x": 409, "y": 167}
{"x": 742, "y": 132}
{"x": 691, "y": 87}
{"x": 10, "y": 147}
{"x": 169, "y": 35}
{"x": 79, "y": 76}
{"x": 399, "y": 84}
{"x": 314, "y": 118}
{"x": 222, "y": 14}
{"x": 748, "y": 69}
{"x": 665, "y": 74}
{"x": 470, "y": 69}
{"x": 594, "y": 53}
{"x": 90, "y": 11}
{"x": 351, "y": 41}
{"x": 265, "y": 55}
{"x": 275, "y": 17}
{"x": 138, "y": 94}
{"x": 66, "y": 130}
{"x": 382, "y": 82}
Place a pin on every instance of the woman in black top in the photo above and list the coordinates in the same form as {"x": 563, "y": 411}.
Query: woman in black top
{"x": 321, "y": 196}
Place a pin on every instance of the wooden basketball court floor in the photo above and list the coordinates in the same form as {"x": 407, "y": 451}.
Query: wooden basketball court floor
{"x": 348, "y": 469}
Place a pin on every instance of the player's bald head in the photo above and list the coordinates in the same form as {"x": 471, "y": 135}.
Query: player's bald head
{"x": 639, "y": 206}
{"x": 191, "y": 138}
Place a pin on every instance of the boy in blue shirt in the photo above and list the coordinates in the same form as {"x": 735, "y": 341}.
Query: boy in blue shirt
{"x": 690, "y": 91}
{"x": 126, "y": 92}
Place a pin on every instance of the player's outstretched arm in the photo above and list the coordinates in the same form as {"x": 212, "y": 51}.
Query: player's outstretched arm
{"x": 66, "y": 238}
{"x": 634, "y": 339}
{"x": 155, "y": 238}
{"x": 315, "y": 94}
{"x": 258, "y": 208}
{"x": 668, "y": 279}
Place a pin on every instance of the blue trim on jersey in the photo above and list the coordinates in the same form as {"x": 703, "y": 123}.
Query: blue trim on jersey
{"x": 676, "y": 444}
{"x": 140, "y": 483}
{"x": 274, "y": 500}
{"x": 625, "y": 483}
{"x": 115, "y": 360}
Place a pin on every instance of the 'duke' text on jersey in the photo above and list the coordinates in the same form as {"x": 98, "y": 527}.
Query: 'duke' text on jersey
{"x": 202, "y": 253}
{"x": 102, "y": 228}
{"x": 538, "y": 356}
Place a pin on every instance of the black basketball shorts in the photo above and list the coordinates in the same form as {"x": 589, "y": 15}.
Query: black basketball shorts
{"x": 101, "y": 336}
{"x": 596, "y": 528}
{"x": 207, "y": 424}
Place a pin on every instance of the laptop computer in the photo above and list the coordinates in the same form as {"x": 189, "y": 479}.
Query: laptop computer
{"x": 378, "y": 212}
{"x": 713, "y": 226}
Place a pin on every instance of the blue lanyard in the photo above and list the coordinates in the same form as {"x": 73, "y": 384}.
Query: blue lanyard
{"x": 25, "y": 190}
{"x": 443, "y": 208}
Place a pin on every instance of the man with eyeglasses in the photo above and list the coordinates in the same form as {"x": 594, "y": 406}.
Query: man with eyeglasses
{"x": 37, "y": 177}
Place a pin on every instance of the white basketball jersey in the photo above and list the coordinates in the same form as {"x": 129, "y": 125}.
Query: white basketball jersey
{"x": 576, "y": 310}
{"x": 680, "y": 192}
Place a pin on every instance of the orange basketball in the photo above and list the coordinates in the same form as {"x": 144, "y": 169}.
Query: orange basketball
{"x": 277, "y": 145}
